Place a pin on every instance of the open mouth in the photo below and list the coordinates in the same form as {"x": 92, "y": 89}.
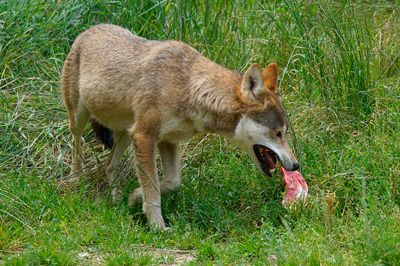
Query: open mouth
{"x": 266, "y": 158}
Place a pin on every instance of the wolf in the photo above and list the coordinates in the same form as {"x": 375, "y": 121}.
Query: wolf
{"x": 155, "y": 94}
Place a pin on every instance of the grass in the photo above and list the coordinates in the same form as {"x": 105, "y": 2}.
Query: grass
{"x": 339, "y": 68}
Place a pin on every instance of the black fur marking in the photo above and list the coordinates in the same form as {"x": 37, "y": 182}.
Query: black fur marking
{"x": 103, "y": 134}
{"x": 252, "y": 83}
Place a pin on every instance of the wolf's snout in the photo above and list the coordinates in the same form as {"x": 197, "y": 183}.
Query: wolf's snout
{"x": 290, "y": 165}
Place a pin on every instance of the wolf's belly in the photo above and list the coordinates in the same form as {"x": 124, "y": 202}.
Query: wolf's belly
{"x": 110, "y": 107}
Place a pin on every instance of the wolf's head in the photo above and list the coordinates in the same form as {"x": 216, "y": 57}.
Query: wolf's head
{"x": 262, "y": 129}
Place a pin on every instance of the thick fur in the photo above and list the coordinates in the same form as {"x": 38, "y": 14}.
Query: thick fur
{"x": 156, "y": 94}
{"x": 102, "y": 133}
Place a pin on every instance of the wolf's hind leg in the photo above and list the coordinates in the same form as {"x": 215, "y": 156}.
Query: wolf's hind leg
{"x": 169, "y": 153}
{"x": 77, "y": 113}
{"x": 121, "y": 143}
{"x": 77, "y": 123}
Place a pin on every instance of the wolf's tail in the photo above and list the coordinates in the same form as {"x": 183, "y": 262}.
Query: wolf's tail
{"x": 102, "y": 133}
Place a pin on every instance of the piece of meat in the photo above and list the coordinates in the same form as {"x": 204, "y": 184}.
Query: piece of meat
{"x": 296, "y": 188}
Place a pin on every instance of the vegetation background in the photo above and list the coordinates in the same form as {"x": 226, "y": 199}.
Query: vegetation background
{"x": 339, "y": 80}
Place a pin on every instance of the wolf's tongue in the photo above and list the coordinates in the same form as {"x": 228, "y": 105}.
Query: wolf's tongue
{"x": 271, "y": 160}
{"x": 296, "y": 187}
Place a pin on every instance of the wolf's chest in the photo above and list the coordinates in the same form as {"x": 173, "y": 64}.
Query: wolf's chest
{"x": 178, "y": 129}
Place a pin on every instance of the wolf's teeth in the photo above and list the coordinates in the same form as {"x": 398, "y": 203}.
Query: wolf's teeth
{"x": 263, "y": 149}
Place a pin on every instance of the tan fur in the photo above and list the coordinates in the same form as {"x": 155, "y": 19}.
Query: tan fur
{"x": 157, "y": 94}
{"x": 270, "y": 77}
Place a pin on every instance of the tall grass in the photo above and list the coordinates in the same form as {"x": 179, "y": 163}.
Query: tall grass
{"x": 339, "y": 67}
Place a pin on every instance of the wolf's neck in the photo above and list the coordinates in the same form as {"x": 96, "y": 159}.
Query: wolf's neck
{"x": 214, "y": 98}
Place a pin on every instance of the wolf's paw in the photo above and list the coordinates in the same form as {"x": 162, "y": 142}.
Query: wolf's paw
{"x": 135, "y": 197}
{"x": 158, "y": 228}
{"x": 76, "y": 174}
{"x": 116, "y": 194}
{"x": 77, "y": 168}
{"x": 167, "y": 229}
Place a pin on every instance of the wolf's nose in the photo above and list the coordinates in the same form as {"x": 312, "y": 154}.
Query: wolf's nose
{"x": 296, "y": 166}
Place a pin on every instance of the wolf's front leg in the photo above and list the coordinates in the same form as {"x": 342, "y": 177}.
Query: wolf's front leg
{"x": 145, "y": 146}
{"x": 169, "y": 153}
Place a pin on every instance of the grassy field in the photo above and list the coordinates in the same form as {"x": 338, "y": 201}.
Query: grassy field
{"x": 339, "y": 68}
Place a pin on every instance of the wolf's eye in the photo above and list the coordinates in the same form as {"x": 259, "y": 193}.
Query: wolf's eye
{"x": 279, "y": 134}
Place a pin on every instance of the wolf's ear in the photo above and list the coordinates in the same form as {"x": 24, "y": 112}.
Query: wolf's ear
{"x": 253, "y": 88}
{"x": 270, "y": 77}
